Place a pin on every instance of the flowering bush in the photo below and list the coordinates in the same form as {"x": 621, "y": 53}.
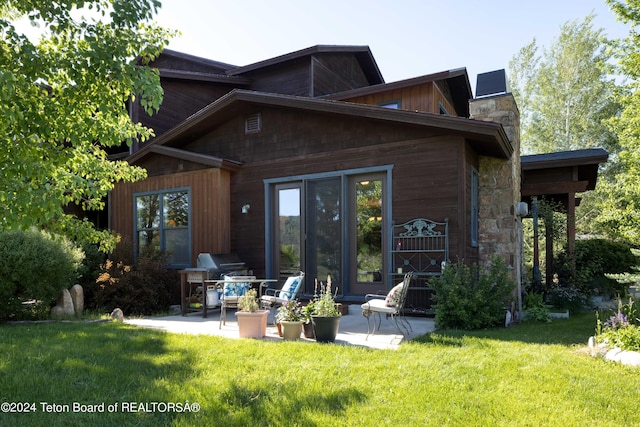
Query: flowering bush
{"x": 622, "y": 329}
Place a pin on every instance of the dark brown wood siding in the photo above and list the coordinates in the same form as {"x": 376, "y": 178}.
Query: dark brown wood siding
{"x": 425, "y": 179}
{"x": 181, "y": 99}
{"x": 210, "y": 201}
{"x": 336, "y": 73}
{"x": 291, "y": 78}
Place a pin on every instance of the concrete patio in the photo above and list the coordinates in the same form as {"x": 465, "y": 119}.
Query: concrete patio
{"x": 353, "y": 328}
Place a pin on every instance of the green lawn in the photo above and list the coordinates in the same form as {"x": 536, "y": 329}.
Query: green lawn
{"x": 529, "y": 375}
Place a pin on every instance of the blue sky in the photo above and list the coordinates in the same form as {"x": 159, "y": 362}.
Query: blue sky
{"x": 408, "y": 38}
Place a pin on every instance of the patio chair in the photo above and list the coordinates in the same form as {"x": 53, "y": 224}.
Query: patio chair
{"x": 272, "y": 298}
{"x": 233, "y": 289}
{"x": 390, "y": 305}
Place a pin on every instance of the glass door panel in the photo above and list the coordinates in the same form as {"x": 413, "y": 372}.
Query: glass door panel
{"x": 324, "y": 232}
{"x": 367, "y": 260}
{"x": 288, "y": 231}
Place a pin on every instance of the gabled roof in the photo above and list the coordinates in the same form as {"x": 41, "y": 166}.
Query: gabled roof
{"x": 209, "y": 63}
{"x": 203, "y": 77}
{"x": 487, "y": 137}
{"x": 458, "y": 81}
{"x": 362, "y": 54}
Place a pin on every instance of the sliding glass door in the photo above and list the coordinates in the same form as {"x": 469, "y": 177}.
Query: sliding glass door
{"x": 331, "y": 224}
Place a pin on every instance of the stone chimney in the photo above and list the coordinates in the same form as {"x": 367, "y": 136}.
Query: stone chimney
{"x": 499, "y": 179}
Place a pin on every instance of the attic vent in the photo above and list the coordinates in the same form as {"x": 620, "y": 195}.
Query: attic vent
{"x": 253, "y": 123}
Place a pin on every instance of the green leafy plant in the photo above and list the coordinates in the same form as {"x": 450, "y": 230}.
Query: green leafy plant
{"x": 35, "y": 267}
{"x": 307, "y": 311}
{"x": 469, "y": 299}
{"x": 593, "y": 262}
{"x": 535, "y": 308}
{"x": 249, "y": 301}
{"x": 324, "y": 303}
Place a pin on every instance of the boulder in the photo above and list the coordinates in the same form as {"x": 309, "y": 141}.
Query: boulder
{"x": 117, "y": 315}
{"x": 77, "y": 297}
{"x": 57, "y": 312}
{"x": 631, "y": 358}
{"x": 66, "y": 303}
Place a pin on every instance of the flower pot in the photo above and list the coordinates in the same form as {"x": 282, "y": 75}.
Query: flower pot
{"x": 252, "y": 324}
{"x": 291, "y": 330}
{"x": 308, "y": 330}
{"x": 325, "y": 328}
{"x": 279, "y": 328}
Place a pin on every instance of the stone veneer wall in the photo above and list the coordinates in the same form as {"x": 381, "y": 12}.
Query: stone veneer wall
{"x": 499, "y": 185}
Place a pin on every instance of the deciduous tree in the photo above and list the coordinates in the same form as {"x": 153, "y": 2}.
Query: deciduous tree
{"x": 63, "y": 102}
{"x": 621, "y": 212}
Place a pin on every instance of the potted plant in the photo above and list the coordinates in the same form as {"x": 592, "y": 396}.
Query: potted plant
{"x": 252, "y": 323}
{"x": 307, "y": 325}
{"x": 326, "y": 316}
{"x": 290, "y": 317}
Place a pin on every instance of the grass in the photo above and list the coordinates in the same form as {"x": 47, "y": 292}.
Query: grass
{"x": 529, "y": 375}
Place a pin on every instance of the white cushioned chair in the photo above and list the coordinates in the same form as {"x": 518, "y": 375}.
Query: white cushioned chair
{"x": 391, "y": 305}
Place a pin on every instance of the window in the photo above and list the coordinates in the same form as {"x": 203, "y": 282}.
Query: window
{"x": 394, "y": 105}
{"x": 163, "y": 225}
{"x": 474, "y": 196}
{"x": 442, "y": 109}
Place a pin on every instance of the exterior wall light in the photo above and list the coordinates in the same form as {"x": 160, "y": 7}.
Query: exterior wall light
{"x": 245, "y": 209}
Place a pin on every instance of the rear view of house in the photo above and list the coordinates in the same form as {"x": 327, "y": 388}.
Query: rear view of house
{"x": 307, "y": 161}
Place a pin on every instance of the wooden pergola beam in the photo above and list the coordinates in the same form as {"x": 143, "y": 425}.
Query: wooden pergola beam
{"x": 549, "y": 188}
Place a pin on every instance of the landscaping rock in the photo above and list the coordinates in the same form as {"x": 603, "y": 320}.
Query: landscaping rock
{"x": 57, "y": 312}
{"x": 117, "y": 315}
{"x": 631, "y": 358}
{"x": 66, "y": 303}
{"x": 77, "y": 297}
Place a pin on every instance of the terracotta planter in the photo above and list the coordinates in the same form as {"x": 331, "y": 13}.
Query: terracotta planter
{"x": 252, "y": 325}
{"x": 279, "y": 328}
{"x": 291, "y": 330}
{"x": 325, "y": 328}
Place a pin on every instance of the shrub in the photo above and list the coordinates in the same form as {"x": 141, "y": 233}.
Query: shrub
{"x": 567, "y": 298}
{"x": 142, "y": 287}
{"x": 34, "y": 268}
{"x": 535, "y": 308}
{"x": 469, "y": 299}
{"x": 89, "y": 271}
{"x": 594, "y": 259}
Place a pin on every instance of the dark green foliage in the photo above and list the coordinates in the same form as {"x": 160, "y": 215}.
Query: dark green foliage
{"x": 142, "y": 287}
{"x": 594, "y": 258}
{"x": 34, "y": 267}
{"x": 469, "y": 299}
{"x": 89, "y": 272}
{"x": 535, "y": 308}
